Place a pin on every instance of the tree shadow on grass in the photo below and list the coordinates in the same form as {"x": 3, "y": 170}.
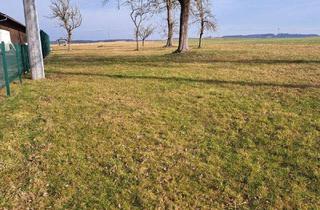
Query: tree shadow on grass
{"x": 190, "y": 80}
{"x": 165, "y": 60}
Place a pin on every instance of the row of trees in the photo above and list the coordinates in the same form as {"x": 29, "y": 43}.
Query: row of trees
{"x": 141, "y": 12}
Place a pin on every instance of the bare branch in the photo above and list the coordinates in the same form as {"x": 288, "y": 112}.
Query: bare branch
{"x": 146, "y": 32}
{"x": 140, "y": 11}
{"x": 204, "y": 17}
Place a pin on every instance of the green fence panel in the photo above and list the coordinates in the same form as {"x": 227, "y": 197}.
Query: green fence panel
{"x": 5, "y": 68}
{"x": 45, "y": 43}
{"x": 19, "y": 61}
{"x": 25, "y": 58}
{"x": 2, "y": 82}
{"x": 11, "y": 65}
{"x": 14, "y": 60}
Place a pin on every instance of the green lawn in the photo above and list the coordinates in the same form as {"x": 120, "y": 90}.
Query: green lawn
{"x": 235, "y": 125}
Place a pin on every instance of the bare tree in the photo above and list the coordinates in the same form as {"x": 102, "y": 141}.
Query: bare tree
{"x": 139, "y": 11}
{"x": 68, "y": 16}
{"x": 145, "y": 32}
{"x": 168, "y": 6}
{"x": 184, "y": 26}
{"x": 204, "y": 17}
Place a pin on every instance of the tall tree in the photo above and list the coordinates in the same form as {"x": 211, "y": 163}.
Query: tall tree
{"x": 204, "y": 17}
{"x": 68, "y": 16}
{"x": 33, "y": 32}
{"x": 184, "y": 26}
{"x": 170, "y": 22}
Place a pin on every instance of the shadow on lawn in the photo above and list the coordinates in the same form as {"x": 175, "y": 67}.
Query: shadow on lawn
{"x": 167, "y": 60}
{"x": 180, "y": 79}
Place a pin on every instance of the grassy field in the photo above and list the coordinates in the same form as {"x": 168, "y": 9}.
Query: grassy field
{"x": 233, "y": 126}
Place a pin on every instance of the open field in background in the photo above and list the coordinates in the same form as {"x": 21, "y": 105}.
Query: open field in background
{"x": 235, "y": 125}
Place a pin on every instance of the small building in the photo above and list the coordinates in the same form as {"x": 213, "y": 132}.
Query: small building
{"x": 17, "y": 30}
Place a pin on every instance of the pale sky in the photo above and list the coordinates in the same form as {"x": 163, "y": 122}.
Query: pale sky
{"x": 233, "y": 16}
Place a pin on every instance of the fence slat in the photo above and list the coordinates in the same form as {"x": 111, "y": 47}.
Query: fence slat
{"x": 5, "y": 68}
{"x": 19, "y": 61}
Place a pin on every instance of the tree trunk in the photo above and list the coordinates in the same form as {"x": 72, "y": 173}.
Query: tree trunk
{"x": 69, "y": 40}
{"x": 200, "y": 41}
{"x": 184, "y": 23}
{"x": 201, "y": 34}
{"x": 34, "y": 43}
{"x": 137, "y": 40}
{"x": 143, "y": 42}
{"x": 170, "y": 22}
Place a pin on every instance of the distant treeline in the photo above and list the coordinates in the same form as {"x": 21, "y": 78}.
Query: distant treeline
{"x": 266, "y": 36}
{"x": 95, "y": 41}
{"x": 252, "y": 36}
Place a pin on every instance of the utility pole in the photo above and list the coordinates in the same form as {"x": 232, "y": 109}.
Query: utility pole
{"x": 34, "y": 41}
